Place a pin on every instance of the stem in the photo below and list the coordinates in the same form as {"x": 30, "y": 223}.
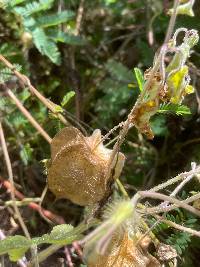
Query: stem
{"x": 175, "y": 180}
{"x": 185, "y": 181}
{"x": 43, "y": 255}
{"x": 128, "y": 123}
{"x": 122, "y": 189}
{"x": 178, "y": 226}
{"x": 34, "y": 206}
{"x": 172, "y": 22}
{"x": 10, "y": 175}
{"x": 159, "y": 209}
{"x": 28, "y": 116}
{"x": 25, "y": 80}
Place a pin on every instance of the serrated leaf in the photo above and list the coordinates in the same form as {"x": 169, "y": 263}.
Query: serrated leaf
{"x": 54, "y": 19}
{"x": 67, "y": 97}
{"x": 15, "y": 246}
{"x": 140, "y": 78}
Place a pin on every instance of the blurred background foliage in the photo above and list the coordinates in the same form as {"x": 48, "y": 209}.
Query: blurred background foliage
{"x": 95, "y": 61}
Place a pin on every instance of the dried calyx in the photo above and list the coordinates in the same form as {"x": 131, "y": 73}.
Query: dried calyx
{"x": 79, "y": 166}
{"x": 123, "y": 251}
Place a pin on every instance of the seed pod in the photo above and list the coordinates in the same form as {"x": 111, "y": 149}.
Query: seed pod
{"x": 79, "y": 165}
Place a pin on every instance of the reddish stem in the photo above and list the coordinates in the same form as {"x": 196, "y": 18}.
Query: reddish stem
{"x": 51, "y": 216}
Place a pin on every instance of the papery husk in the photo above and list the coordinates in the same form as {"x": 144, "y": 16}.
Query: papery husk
{"x": 79, "y": 166}
{"x": 123, "y": 253}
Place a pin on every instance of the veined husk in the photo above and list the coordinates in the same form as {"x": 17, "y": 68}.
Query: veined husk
{"x": 79, "y": 165}
{"x": 122, "y": 252}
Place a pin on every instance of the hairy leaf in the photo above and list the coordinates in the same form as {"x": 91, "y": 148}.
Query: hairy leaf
{"x": 61, "y": 234}
{"x": 15, "y": 246}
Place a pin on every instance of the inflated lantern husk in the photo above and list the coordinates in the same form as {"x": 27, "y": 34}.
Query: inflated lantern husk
{"x": 79, "y": 166}
{"x": 123, "y": 253}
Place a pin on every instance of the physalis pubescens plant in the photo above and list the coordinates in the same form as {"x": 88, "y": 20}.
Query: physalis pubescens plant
{"x": 79, "y": 166}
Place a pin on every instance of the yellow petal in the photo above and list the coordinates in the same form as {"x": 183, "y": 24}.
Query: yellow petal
{"x": 189, "y": 89}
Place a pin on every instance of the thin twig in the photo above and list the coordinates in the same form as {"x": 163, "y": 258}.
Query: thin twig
{"x": 28, "y": 116}
{"x": 79, "y": 17}
{"x": 68, "y": 257}
{"x": 10, "y": 175}
{"x": 154, "y": 210}
{"x": 172, "y": 22}
{"x": 48, "y": 214}
{"x": 178, "y": 226}
{"x": 173, "y": 194}
{"x": 25, "y": 80}
{"x": 185, "y": 181}
{"x": 182, "y": 204}
{"x": 174, "y": 180}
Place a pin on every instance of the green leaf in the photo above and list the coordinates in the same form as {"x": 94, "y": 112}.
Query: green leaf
{"x": 46, "y": 46}
{"x": 6, "y": 73}
{"x": 67, "y": 97}
{"x": 10, "y": 3}
{"x": 34, "y": 7}
{"x": 59, "y": 36}
{"x": 61, "y": 234}
{"x": 15, "y": 246}
{"x": 118, "y": 71}
{"x": 179, "y": 110}
{"x": 140, "y": 78}
{"x": 26, "y": 153}
{"x": 24, "y": 95}
{"x": 54, "y": 19}
{"x": 158, "y": 125}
